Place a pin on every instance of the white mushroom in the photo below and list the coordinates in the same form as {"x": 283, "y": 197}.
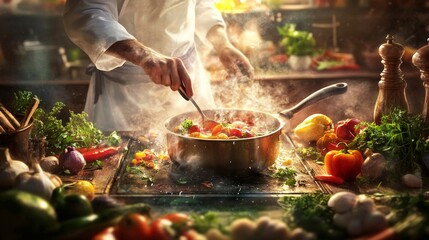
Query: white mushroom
{"x": 342, "y": 201}
{"x": 412, "y": 181}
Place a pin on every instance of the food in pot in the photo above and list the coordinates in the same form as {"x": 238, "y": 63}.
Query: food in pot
{"x": 224, "y": 130}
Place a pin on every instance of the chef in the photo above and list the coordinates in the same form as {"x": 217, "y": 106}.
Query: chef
{"x": 141, "y": 50}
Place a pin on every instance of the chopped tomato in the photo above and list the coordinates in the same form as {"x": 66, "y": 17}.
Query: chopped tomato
{"x": 217, "y": 129}
{"x": 235, "y": 132}
{"x": 329, "y": 178}
{"x": 194, "y": 128}
{"x": 209, "y": 125}
{"x": 133, "y": 226}
{"x": 248, "y": 134}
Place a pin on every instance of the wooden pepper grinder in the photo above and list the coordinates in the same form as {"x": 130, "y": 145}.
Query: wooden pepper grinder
{"x": 421, "y": 61}
{"x": 392, "y": 85}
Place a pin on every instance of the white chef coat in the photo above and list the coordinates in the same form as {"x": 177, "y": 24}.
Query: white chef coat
{"x": 121, "y": 96}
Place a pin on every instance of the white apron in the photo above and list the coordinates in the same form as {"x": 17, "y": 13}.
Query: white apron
{"x": 124, "y": 99}
{"x": 121, "y": 96}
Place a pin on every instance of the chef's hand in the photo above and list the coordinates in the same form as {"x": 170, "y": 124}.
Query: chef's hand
{"x": 161, "y": 69}
{"x": 234, "y": 61}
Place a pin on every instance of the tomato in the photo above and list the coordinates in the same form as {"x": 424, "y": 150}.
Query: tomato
{"x": 180, "y": 221}
{"x": 133, "y": 226}
{"x": 162, "y": 229}
{"x": 194, "y": 128}
{"x": 235, "y": 132}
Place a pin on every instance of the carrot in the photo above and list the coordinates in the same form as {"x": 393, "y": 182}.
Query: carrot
{"x": 385, "y": 234}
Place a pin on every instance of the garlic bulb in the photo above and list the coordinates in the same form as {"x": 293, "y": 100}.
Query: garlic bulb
{"x": 38, "y": 182}
{"x": 9, "y": 169}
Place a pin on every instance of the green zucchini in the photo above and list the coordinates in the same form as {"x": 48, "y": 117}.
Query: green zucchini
{"x": 86, "y": 227}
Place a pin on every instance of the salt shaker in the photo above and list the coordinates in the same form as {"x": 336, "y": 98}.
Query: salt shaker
{"x": 392, "y": 85}
{"x": 421, "y": 61}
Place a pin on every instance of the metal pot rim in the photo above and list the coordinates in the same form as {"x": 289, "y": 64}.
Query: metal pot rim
{"x": 274, "y": 116}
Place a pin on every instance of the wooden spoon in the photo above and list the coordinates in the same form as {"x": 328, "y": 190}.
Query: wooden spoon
{"x": 29, "y": 113}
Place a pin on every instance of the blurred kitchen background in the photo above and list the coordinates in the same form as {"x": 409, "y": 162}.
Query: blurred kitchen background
{"x": 36, "y": 55}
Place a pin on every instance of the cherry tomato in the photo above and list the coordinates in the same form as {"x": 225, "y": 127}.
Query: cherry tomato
{"x": 133, "y": 226}
{"x": 194, "y": 128}
{"x": 236, "y": 132}
{"x": 162, "y": 229}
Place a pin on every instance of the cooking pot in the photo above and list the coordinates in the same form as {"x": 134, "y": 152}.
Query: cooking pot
{"x": 236, "y": 156}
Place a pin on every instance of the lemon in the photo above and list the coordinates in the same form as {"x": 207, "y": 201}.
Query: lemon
{"x": 83, "y": 187}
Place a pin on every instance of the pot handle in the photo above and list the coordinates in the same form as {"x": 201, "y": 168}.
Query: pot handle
{"x": 334, "y": 89}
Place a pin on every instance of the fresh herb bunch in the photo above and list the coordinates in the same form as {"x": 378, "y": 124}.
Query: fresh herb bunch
{"x": 400, "y": 137}
{"x": 77, "y": 132}
{"x": 311, "y": 212}
{"x": 47, "y": 125}
{"x": 82, "y": 132}
{"x": 298, "y": 43}
{"x": 21, "y": 102}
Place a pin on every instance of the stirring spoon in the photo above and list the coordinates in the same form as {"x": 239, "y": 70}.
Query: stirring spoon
{"x": 208, "y": 123}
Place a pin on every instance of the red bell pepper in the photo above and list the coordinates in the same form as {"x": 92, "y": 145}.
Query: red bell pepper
{"x": 345, "y": 164}
{"x": 99, "y": 153}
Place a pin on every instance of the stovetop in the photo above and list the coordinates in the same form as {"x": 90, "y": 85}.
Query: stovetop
{"x": 171, "y": 179}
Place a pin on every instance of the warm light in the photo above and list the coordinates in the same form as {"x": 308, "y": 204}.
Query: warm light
{"x": 231, "y": 6}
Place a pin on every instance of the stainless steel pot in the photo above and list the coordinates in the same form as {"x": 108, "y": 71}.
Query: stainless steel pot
{"x": 237, "y": 156}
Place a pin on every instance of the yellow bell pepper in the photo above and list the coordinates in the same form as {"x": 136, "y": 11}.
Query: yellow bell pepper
{"x": 313, "y": 127}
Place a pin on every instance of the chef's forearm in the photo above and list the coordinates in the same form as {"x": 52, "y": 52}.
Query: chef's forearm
{"x": 218, "y": 37}
{"x": 129, "y": 50}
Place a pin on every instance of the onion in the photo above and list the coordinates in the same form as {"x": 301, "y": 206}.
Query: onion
{"x": 72, "y": 160}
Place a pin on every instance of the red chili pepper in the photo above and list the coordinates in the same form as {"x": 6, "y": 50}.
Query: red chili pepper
{"x": 329, "y": 178}
{"x": 99, "y": 153}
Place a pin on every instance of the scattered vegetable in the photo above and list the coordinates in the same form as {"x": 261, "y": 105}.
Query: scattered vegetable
{"x": 346, "y": 130}
{"x": 38, "y": 182}
{"x": 329, "y": 179}
{"x": 357, "y": 214}
{"x": 24, "y": 215}
{"x": 286, "y": 174}
{"x": 345, "y": 164}
{"x": 313, "y": 127}
{"x": 9, "y": 169}
{"x": 373, "y": 166}
{"x": 99, "y": 153}
{"x": 50, "y": 164}
{"x": 399, "y": 138}
{"x": 72, "y": 160}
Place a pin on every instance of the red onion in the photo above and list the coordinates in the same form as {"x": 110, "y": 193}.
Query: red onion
{"x": 72, "y": 160}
